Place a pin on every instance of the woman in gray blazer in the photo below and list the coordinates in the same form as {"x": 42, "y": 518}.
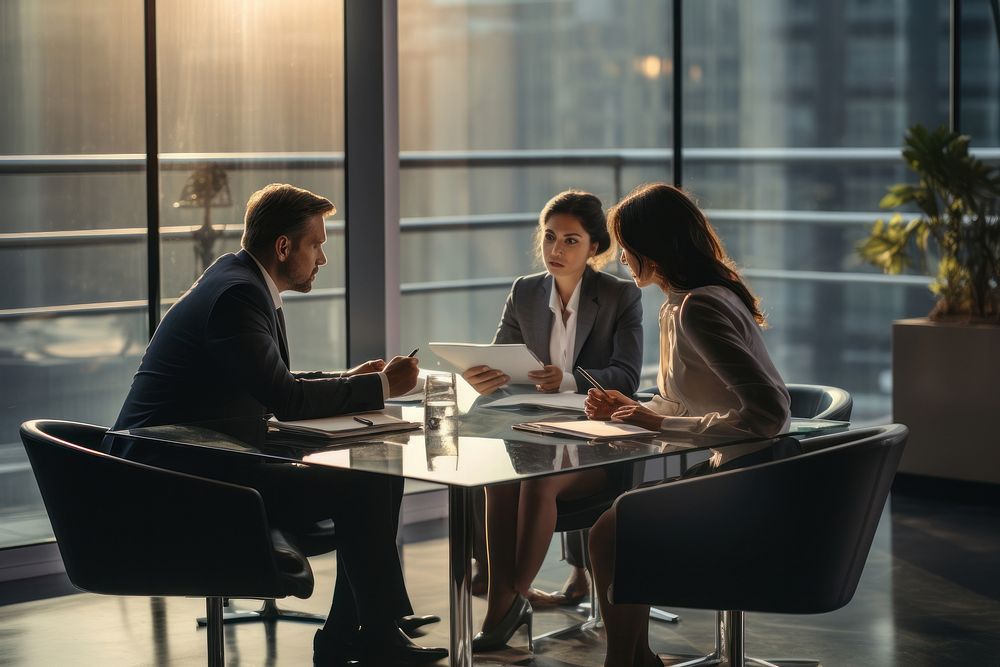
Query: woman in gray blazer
{"x": 572, "y": 315}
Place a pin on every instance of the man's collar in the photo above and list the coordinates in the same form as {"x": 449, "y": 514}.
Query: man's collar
{"x": 271, "y": 287}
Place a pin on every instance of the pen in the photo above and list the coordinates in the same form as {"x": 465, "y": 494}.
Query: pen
{"x": 414, "y": 352}
{"x": 591, "y": 380}
{"x": 366, "y": 422}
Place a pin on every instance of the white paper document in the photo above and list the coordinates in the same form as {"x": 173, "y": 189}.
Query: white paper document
{"x": 562, "y": 401}
{"x": 516, "y": 360}
{"x": 586, "y": 429}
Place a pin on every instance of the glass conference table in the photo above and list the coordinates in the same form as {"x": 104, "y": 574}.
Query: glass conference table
{"x": 463, "y": 448}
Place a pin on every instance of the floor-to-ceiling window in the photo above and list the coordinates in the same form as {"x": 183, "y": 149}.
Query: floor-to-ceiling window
{"x": 72, "y": 226}
{"x": 251, "y": 94}
{"x": 248, "y": 94}
{"x": 793, "y": 112}
{"x": 503, "y": 105}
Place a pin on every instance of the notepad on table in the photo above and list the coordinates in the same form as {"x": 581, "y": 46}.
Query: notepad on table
{"x": 515, "y": 359}
{"x": 560, "y": 401}
{"x": 343, "y": 427}
{"x": 586, "y": 429}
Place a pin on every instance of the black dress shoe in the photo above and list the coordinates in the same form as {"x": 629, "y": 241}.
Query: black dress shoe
{"x": 396, "y": 650}
{"x": 329, "y": 651}
{"x": 410, "y": 624}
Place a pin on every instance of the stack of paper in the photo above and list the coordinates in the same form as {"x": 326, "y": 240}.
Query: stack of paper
{"x": 343, "y": 427}
{"x": 587, "y": 429}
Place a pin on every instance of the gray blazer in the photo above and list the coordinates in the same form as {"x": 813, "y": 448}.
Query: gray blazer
{"x": 608, "y": 327}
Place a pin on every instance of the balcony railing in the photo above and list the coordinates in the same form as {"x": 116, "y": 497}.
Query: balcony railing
{"x": 616, "y": 160}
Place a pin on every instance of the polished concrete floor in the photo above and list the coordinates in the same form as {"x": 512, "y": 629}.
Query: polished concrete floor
{"x": 930, "y": 595}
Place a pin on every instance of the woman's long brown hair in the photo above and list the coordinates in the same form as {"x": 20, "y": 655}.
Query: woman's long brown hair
{"x": 659, "y": 224}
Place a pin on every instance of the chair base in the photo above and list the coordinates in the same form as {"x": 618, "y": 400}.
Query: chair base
{"x": 591, "y": 626}
{"x": 713, "y": 659}
{"x": 269, "y": 613}
{"x": 663, "y": 616}
{"x": 729, "y": 649}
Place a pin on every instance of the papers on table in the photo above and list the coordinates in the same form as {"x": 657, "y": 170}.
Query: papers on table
{"x": 586, "y": 429}
{"x": 562, "y": 401}
{"x": 516, "y": 360}
{"x": 343, "y": 427}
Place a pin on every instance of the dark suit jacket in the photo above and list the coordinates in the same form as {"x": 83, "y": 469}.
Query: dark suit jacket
{"x": 220, "y": 352}
{"x": 608, "y": 327}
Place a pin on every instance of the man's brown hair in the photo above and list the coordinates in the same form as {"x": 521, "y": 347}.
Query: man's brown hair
{"x": 277, "y": 210}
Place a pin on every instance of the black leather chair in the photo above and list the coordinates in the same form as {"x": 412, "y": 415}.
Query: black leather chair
{"x": 816, "y": 401}
{"x": 320, "y": 540}
{"x": 787, "y": 536}
{"x": 125, "y": 528}
{"x": 809, "y": 401}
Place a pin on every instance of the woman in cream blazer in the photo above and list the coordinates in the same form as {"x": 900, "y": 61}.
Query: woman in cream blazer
{"x": 716, "y": 376}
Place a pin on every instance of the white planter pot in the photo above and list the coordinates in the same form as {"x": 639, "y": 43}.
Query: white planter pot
{"x": 946, "y": 389}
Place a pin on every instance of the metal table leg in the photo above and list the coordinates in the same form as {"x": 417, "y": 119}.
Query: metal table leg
{"x": 459, "y": 568}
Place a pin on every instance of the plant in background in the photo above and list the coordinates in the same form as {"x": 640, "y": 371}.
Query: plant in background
{"x": 956, "y": 234}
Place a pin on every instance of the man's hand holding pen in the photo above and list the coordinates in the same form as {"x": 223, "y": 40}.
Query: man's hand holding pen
{"x": 401, "y": 372}
{"x": 373, "y": 366}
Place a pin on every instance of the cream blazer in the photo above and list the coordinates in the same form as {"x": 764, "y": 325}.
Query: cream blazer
{"x": 716, "y": 377}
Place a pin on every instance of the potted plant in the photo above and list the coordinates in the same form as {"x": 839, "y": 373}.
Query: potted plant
{"x": 946, "y": 367}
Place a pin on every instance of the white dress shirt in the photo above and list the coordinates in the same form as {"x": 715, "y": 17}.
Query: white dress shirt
{"x": 271, "y": 287}
{"x": 562, "y": 340}
{"x": 276, "y": 299}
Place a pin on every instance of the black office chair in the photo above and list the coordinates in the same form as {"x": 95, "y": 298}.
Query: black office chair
{"x": 320, "y": 540}
{"x": 126, "y": 528}
{"x": 809, "y": 401}
{"x": 788, "y": 536}
{"x": 816, "y": 401}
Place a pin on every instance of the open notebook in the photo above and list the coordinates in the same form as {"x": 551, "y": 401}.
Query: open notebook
{"x": 586, "y": 429}
{"x": 343, "y": 427}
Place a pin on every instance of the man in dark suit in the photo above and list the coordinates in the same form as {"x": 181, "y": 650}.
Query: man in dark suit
{"x": 221, "y": 351}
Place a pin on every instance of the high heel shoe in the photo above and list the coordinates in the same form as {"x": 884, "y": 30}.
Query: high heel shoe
{"x": 497, "y": 637}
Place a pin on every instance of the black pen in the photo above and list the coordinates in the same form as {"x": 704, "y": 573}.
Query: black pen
{"x": 414, "y": 352}
{"x": 366, "y": 422}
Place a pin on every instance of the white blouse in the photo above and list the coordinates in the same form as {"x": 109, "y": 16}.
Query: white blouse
{"x": 562, "y": 339}
{"x": 716, "y": 376}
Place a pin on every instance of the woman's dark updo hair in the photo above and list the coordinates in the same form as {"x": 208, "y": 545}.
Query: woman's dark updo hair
{"x": 589, "y": 210}
{"x": 662, "y": 227}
